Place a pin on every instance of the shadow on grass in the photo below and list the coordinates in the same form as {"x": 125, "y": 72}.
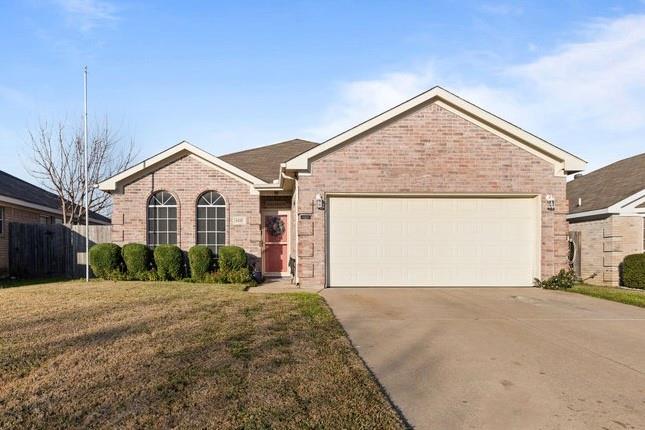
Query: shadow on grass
{"x": 12, "y": 283}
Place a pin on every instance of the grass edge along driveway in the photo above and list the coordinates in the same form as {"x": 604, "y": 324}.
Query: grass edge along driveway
{"x": 134, "y": 354}
{"x": 620, "y": 295}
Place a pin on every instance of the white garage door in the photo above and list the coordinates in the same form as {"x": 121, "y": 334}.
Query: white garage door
{"x": 438, "y": 241}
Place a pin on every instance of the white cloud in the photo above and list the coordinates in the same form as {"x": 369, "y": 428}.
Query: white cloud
{"x": 601, "y": 78}
{"x": 587, "y": 96}
{"x": 88, "y": 14}
{"x": 360, "y": 100}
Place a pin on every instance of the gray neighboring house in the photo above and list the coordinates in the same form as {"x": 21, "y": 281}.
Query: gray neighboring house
{"x": 607, "y": 207}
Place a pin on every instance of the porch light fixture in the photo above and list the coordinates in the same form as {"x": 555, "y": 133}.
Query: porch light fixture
{"x": 550, "y": 202}
{"x": 320, "y": 202}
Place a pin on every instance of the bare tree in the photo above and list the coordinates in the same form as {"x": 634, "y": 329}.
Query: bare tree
{"x": 57, "y": 156}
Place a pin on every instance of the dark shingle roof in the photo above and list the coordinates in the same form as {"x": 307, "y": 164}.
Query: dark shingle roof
{"x": 16, "y": 188}
{"x": 608, "y": 185}
{"x": 264, "y": 162}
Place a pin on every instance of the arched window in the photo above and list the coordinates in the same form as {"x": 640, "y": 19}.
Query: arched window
{"x": 211, "y": 220}
{"x": 162, "y": 219}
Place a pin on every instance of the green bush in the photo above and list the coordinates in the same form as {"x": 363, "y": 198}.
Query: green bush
{"x": 151, "y": 275}
{"x": 239, "y": 276}
{"x": 137, "y": 259}
{"x": 105, "y": 258}
{"x": 231, "y": 258}
{"x": 562, "y": 281}
{"x": 169, "y": 261}
{"x": 214, "y": 278}
{"x": 634, "y": 271}
{"x": 200, "y": 258}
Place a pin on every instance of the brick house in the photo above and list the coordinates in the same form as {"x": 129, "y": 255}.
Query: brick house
{"x": 607, "y": 208}
{"x": 433, "y": 192}
{"x": 22, "y": 202}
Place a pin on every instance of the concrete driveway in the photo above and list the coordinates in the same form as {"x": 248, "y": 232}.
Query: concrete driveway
{"x": 501, "y": 358}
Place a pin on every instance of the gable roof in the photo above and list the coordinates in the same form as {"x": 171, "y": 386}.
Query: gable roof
{"x": 564, "y": 162}
{"x": 180, "y": 150}
{"x": 19, "y": 192}
{"x": 608, "y": 185}
{"x": 264, "y": 162}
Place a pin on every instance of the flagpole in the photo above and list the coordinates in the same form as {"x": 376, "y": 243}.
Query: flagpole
{"x": 87, "y": 212}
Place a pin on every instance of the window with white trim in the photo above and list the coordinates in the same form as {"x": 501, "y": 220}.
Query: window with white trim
{"x": 211, "y": 220}
{"x": 1, "y": 220}
{"x": 162, "y": 219}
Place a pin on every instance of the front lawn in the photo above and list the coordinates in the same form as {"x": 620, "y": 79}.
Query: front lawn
{"x": 160, "y": 355}
{"x": 630, "y": 297}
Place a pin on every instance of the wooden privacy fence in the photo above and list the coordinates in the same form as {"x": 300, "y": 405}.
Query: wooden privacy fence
{"x": 42, "y": 250}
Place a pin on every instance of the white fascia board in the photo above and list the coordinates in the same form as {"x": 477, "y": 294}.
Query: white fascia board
{"x": 19, "y": 202}
{"x": 111, "y": 184}
{"x": 630, "y": 202}
{"x": 561, "y": 159}
{"x": 268, "y": 187}
{"x": 277, "y": 185}
{"x": 35, "y": 206}
{"x": 604, "y": 211}
{"x": 626, "y": 206}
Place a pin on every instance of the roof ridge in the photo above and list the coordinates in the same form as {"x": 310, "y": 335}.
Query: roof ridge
{"x": 268, "y": 146}
{"x": 603, "y": 168}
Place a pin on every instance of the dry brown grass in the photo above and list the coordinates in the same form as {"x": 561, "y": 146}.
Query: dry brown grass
{"x": 179, "y": 355}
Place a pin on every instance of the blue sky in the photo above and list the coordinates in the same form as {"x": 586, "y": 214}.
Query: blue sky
{"x": 235, "y": 75}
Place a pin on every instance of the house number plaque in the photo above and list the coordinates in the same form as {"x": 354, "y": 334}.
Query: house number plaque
{"x": 238, "y": 220}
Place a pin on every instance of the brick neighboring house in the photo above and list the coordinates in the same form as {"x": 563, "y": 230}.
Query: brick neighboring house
{"x": 607, "y": 207}
{"x": 22, "y": 202}
{"x": 433, "y": 192}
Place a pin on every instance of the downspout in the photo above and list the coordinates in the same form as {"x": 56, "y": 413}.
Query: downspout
{"x": 295, "y": 193}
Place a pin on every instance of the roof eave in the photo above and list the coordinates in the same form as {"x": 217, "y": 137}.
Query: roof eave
{"x": 112, "y": 183}
{"x": 564, "y": 162}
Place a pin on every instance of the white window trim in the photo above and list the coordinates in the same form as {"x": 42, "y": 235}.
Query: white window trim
{"x": 156, "y": 231}
{"x": 206, "y": 232}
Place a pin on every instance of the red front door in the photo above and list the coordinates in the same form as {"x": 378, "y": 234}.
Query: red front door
{"x": 276, "y": 243}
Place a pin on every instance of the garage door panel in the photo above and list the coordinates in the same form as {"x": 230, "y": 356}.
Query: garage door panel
{"x": 399, "y": 241}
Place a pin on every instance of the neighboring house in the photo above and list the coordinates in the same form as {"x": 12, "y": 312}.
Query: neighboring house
{"x": 23, "y": 202}
{"x": 607, "y": 207}
{"x": 434, "y": 192}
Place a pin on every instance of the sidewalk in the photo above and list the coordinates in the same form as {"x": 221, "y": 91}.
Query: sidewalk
{"x": 280, "y": 285}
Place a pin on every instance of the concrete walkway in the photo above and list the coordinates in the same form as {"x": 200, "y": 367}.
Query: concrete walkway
{"x": 280, "y": 285}
{"x": 501, "y": 358}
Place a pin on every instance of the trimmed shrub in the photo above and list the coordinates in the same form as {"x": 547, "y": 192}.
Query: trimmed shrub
{"x": 231, "y": 258}
{"x": 634, "y": 271}
{"x": 137, "y": 258}
{"x": 214, "y": 278}
{"x": 200, "y": 258}
{"x": 239, "y": 276}
{"x": 562, "y": 281}
{"x": 105, "y": 259}
{"x": 169, "y": 262}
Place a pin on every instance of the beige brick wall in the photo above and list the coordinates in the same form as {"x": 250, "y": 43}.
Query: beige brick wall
{"x": 429, "y": 150}
{"x": 14, "y": 213}
{"x": 187, "y": 178}
{"x": 604, "y": 244}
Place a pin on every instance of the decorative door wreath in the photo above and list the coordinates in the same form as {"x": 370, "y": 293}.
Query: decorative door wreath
{"x": 275, "y": 226}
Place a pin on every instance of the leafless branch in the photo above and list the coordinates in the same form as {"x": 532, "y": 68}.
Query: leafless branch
{"x": 57, "y": 156}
